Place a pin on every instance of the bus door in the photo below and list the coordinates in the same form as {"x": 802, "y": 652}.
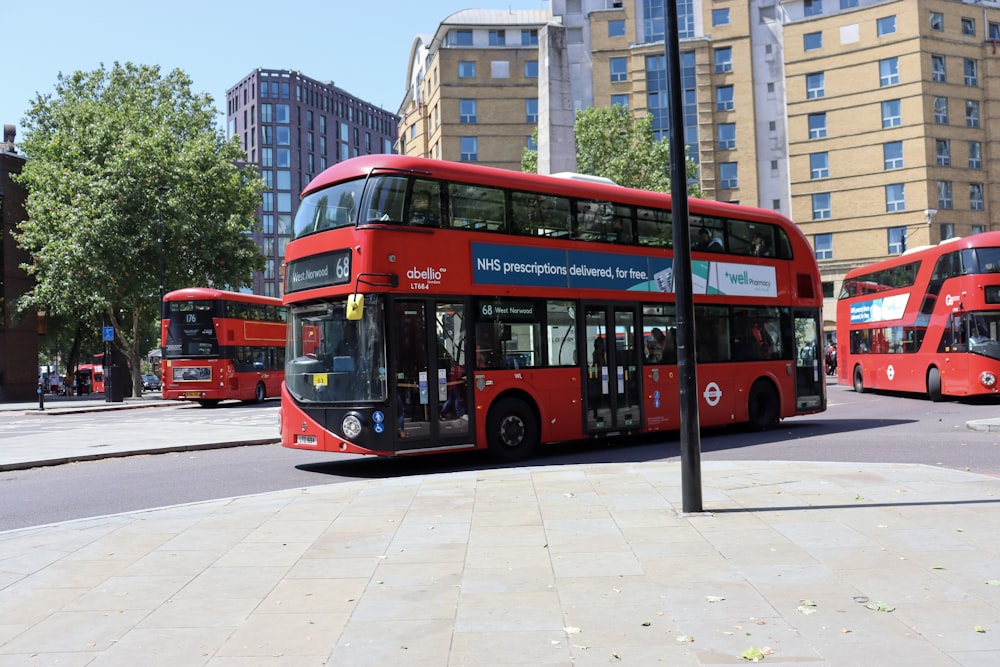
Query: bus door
{"x": 810, "y": 374}
{"x": 428, "y": 346}
{"x": 611, "y": 392}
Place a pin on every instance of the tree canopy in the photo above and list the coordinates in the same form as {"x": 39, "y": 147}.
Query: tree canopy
{"x": 613, "y": 144}
{"x": 113, "y": 155}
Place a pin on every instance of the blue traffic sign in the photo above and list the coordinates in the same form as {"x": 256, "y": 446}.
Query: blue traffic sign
{"x": 108, "y": 333}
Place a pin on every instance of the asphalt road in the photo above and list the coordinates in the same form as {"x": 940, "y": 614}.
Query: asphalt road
{"x": 856, "y": 428}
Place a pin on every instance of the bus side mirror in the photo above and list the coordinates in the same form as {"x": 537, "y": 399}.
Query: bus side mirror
{"x": 355, "y": 306}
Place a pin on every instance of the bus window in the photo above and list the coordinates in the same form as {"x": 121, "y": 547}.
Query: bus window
{"x": 475, "y": 207}
{"x": 385, "y": 199}
{"x": 560, "y": 326}
{"x": 328, "y": 209}
{"x": 425, "y": 204}
{"x": 659, "y": 333}
{"x": 540, "y": 215}
{"x": 603, "y": 221}
{"x": 712, "y": 327}
{"x": 656, "y": 228}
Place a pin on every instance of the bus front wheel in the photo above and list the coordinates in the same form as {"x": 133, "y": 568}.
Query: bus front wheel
{"x": 934, "y": 384}
{"x": 763, "y": 410}
{"x": 260, "y": 393}
{"x": 511, "y": 430}
{"x": 859, "y": 380}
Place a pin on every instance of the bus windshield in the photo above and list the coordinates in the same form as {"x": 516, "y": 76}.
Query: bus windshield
{"x": 331, "y": 358}
{"x": 191, "y": 330}
{"x": 329, "y": 208}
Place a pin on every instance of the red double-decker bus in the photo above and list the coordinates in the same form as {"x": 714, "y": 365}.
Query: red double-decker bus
{"x": 220, "y": 345}
{"x": 438, "y": 306}
{"x": 926, "y": 321}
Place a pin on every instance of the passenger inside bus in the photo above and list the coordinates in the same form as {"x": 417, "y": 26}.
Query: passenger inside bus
{"x": 421, "y": 210}
{"x": 706, "y": 241}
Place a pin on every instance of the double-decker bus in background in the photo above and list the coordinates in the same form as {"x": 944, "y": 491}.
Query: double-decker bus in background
{"x": 438, "y": 306}
{"x": 927, "y": 320}
{"x": 220, "y": 345}
{"x": 90, "y": 376}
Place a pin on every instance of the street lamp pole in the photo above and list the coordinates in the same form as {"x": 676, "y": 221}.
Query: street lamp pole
{"x": 159, "y": 213}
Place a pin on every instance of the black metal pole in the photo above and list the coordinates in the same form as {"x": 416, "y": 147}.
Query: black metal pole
{"x": 687, "y": 376}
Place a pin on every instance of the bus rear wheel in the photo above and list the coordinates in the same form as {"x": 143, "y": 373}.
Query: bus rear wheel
{"x": 260, "y": 393}
{"x": 763, "y": 409}
{"x": 209, "y": 403}
{"x": 859, "y": 380}
{"x": 934, "y": 384}
{"x": 511, "y": 430}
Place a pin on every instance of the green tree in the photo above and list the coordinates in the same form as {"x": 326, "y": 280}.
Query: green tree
{"x": 113, "y": 155}
{"x": 613, "y": 144}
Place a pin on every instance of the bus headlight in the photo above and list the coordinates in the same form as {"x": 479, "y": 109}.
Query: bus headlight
{"x": 351, "y": 426}
{"x": 988, "y": 379}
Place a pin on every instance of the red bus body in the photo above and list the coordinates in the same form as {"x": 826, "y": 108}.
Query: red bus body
{"x": 90, "y": 378}
{"x": 492, "y": 325}
{"x": 220, "y": 345}
{"x": 926, "y": 321}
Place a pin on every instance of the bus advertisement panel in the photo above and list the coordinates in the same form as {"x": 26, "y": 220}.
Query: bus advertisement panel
{"x": 926, "y": 321}
{"x": 220, "y": 345}
{"x": 437, "y": 306}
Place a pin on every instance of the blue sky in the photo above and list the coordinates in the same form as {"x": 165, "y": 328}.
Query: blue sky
{"x": 363, "y": 47}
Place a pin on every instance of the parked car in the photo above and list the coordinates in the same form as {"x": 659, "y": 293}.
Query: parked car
{"x": 150, "y": 382}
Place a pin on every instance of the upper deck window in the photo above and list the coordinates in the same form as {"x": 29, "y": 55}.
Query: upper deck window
{"x": 329, "y": 208}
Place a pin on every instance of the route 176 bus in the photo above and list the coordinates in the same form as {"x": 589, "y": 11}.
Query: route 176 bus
{"x": 220, "y": 345}
{"x": 438, "y": 306}
{"x": 925, "y": 321}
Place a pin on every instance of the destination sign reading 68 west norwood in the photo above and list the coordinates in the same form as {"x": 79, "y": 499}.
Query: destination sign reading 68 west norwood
{"x": 329, "y": 268}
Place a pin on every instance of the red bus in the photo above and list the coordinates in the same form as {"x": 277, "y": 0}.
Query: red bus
{"x": 90, "y": 378}
{"x": 438, "y": 306}
{"x": 221, "y": 345}
{"x": 926, "y": 321}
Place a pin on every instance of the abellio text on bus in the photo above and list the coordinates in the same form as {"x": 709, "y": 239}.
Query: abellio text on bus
{"x": 502, "y": 310}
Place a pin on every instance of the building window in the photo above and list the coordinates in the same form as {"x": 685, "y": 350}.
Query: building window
{"x": 724, "y": 59}
{"x": 724, "y": 98}
{"x": 529, "y": 37}
{"x": 619, "y": 69}
{"x": 848, "y": 4}
{"x": 812, "y": 41}
{"x": 897, "y": 240}
{"x": 460, "y": 38}
{"x": 895, "y": 197}
{"x": 616, "y": 28}
{"x": 971, "y": 69}
{"x": 500, "y": 69}
{"x": 947, "y": 230}
{"x": 469, "y": 149}
{"x": 943, "y": 152}
{"x": 815, "y": 85}
{"x": 530, "y": 69}
{"x": 817, "y": 125}
{"x": 885, "y": 25}
{"x": 892, "y": 155}
{"x": 971, "y": 113}
{"x": 976, "y": 196}
{"x": 467, "y": 111}
{"x": 727, "y": 136}
{"x": 819, "y": 165}
{"x": 939, "y": 72}
{"x": 729, "y": 175}
{"x": 944, "y": 195}
{"x": 993, "y": 31}
{"x": 531, "y": 144}
{"x": 941, "y": 110}
{"x": 937, "y": 21}
{"x": 498, "y": 38}
{"x": 823, "y": 246}
{"x": 619, "y": 100}
{"x": 531, "y": 110}
{"x": 975, "y": 155}
{"x": 891, "y": 116}
{"x": 821, "y": 206}
{"x": 812, "y": 7}
{"x": 978, "y": 229}
{"x": 466, "y": 69}
{"x": 888, "y": 72}
{"x": 720, "y": 17}
{"x": 969, "y": 27}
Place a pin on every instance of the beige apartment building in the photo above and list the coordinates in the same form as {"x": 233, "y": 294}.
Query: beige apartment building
{"x": 870, "y": 123}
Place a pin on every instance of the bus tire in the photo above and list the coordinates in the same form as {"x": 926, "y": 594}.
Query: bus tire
{"x": 934, "y": 384}
{"x": 763, "y": 406}
{"x": 209, "y": 403}
{"x": 859, "y": 380}
{"x": 260, "y": 393}
{"x": 511, "y": 430}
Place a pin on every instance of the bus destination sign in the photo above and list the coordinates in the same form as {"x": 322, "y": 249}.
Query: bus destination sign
{"x": 329, "y": 268}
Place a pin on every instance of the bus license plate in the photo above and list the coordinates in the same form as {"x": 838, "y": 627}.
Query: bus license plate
{"x": 305, "y": 440}
{"x": 192, "y": 394}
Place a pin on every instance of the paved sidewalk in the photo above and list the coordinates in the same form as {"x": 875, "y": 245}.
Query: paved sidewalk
{"x": 807, "y": 563}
